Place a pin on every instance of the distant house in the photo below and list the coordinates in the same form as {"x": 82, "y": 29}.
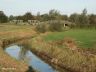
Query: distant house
{"x": 16, "y": 21}
{"x": 33, "y": 22}
{"x": 13, "y": 21}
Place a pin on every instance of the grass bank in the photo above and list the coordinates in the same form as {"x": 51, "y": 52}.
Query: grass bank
{"x": 10, "y": 34}
{"x": 8, "y": 64}
{"x": 53, "y": 45}
{"x": 64, "y": 57}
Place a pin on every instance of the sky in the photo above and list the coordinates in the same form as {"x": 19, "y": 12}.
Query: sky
{"x": 20, "y": 7}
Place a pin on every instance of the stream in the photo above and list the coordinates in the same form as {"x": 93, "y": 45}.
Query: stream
{"x": 21, "y": 53}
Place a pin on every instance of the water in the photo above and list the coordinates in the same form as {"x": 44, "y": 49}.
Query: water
{"x": 32, "y": 60}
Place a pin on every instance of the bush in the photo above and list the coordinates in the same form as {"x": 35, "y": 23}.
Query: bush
{"x": 51, "y": 26}
{"x": 41, "y": 28}
{"x": 3, "y": 18}
{"x": 56, "y": 26}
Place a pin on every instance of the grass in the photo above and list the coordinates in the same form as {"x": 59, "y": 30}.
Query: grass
{"x": 71, "y": 59}
{"x": 7, "y": 62}
{"x": 13, "y": 32}
{"x": 84, "y": 37}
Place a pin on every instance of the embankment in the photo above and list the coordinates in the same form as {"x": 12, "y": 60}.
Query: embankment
{"x": 63, "y": 57}
{"x": 7, "y": 63}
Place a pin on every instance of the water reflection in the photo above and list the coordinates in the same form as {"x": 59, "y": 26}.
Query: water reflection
{"x": 22, "y": 53}
{"x": 33, "y": 61}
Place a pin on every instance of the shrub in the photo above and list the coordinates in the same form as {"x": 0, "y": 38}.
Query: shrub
{"x": 55, "y": 26}
{"x": 41, "y": 28}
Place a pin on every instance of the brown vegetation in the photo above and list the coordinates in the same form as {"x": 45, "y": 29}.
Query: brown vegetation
{"x": 74, "y": 60}
{"x": 8, "y": 64}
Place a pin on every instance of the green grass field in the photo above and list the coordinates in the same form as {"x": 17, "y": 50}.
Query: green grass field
{"x": 84, "y": 37}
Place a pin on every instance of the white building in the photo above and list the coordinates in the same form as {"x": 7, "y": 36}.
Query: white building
{"x": 33, "y": 22}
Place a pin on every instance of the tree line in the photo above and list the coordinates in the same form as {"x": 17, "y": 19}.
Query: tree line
{"x": 81, "y": 20}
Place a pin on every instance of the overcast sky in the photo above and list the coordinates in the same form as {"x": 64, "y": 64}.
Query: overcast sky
{"x": 19, "y": 7}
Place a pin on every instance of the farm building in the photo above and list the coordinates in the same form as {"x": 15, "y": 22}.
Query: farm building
{"x": 33, "y": 22}
{"x": 16, "y": 21}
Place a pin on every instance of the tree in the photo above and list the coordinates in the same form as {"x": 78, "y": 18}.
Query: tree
{"x": 84, "y": 12}
{"x": 19, "y": 17}
{"x": 80, "y": 20}
{"x": 74, "y": 18}
{"x": 11, "y": 17}
{"x": 44, "y": 17}
{"x": 92, "y": 20}
{"x": 54, "y": 14}
{"x": 3, "y": 17}
{"x": 64, "y": 17}
{"x": 38, "y": 16}
{"x": 83, "y": 19}
{"x": 28, "y": 16}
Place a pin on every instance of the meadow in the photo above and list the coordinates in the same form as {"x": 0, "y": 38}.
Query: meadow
{"x": 73, "y": 49}
{"x": 85, "y": 38}
{"x": 55, "y": 46}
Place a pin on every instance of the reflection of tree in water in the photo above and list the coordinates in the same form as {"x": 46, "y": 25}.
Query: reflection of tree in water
{"x": 23, "y": 52}
{"x": 22, "y": 56}
{"x": 30, "y": 69}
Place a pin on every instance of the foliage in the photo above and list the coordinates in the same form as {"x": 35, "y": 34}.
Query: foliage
{"x": 38, "y": 17}
{"x": 64, "y": 17}
{"x": 54, "y": 14}
{"x": 44, "y": 17}
{"x": 11, "y": 17}
{"x": 74, "y": 60}
{"x": 28, "y": 16}
{"x": 81, "y": 20}
{"x": 51, "y": 26}
{"x": 41, "y": 28}
{"x": 92, "y": 20}
{"x": 55, "y": 26}
{"x": 74, "y": 18}
{"x": 3, "y": 17}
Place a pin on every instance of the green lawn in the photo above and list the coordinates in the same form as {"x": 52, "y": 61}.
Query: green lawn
{"x": 84, "y": 37}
